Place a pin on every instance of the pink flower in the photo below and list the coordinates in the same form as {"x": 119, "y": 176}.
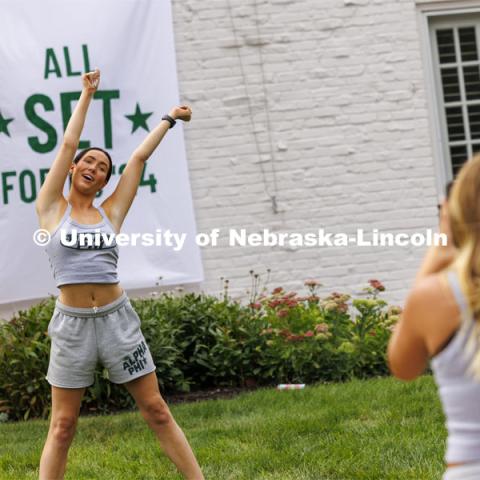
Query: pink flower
{"x": 255, "y": 306}
{"x": 377, "y": 285}
{"x": 342, "y": 307}
{"x": 311, "y": 283}
{"x": 282, "y": 313}
{"x": 321, "y": 328}
{"x": 285, "y": 332}
{"x": 313, "y": 298}
{"x": 274, "y": 303}
{"x": 277, "y": 290}
{"x": 309, "y": 334}
{"x": 294, "y": 338}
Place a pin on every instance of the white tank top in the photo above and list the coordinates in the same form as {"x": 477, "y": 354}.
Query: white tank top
{"x": 459, "y": 391}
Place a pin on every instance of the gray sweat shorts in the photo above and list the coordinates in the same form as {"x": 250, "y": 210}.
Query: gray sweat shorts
{"x": 82, "y": 337}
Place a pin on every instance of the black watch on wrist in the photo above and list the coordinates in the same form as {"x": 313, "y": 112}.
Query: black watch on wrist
{"x": 170, "y": 120}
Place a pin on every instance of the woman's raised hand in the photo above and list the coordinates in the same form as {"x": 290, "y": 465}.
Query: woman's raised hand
{"x": 91, "y": 81}
{"x": 184, "y": 112}
{"x": 448, "y": 252}
{"x": 445, "y": 228}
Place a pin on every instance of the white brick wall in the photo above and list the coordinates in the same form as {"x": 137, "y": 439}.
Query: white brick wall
{"x": 349, "y": 125}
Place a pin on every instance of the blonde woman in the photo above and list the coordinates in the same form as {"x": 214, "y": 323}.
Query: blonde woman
{"x": 93, "y": 319}
{"x": 441, "y": 323}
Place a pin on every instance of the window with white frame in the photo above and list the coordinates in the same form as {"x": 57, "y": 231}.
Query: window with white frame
{"x": 456, "y": 59}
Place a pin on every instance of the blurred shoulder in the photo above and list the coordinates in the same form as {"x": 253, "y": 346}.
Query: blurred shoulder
{"x": 431, "y": 303}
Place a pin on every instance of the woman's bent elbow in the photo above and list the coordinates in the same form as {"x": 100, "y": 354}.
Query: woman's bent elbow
{"x": 404, "y": 371}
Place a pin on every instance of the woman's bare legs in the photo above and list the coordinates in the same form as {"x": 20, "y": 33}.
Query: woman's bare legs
{"x": 158, "y": 417}
{"x": 63, "y": 421}
{"x": 65, "y": 410}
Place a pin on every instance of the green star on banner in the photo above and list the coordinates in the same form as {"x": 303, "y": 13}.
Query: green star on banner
{"x": 139, "y": 119}
{"x": 4, "y": 124}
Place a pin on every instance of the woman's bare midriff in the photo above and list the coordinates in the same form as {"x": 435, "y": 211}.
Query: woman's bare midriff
{"x": 88, "y": 295}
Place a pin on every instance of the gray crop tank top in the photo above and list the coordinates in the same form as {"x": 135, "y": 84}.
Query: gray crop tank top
{"x": 76, "y": 258}
{"x": 459, "y": 391}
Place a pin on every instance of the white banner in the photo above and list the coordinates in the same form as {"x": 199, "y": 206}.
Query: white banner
{"x": 45, "y": 47}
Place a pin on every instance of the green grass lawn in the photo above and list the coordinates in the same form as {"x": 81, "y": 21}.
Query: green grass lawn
{"x": 375, "y": 429}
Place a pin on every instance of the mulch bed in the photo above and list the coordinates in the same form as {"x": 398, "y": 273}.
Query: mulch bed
{"x": 212, "y": 394}
{"x": 177, "y": 398}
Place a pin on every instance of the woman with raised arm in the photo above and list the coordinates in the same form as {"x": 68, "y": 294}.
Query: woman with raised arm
{"x": 441, "y": 323}
{"x": 93, "y": 318}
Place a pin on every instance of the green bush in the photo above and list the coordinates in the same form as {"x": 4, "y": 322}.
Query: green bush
{"x": 312, "y": 339}
{"x": 205, "y": 335}
{"x": 199, "y": 341}
{"x": 24, "y": 349}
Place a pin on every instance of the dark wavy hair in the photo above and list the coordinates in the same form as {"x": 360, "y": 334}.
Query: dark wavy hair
{"x": 81, "y": 154}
